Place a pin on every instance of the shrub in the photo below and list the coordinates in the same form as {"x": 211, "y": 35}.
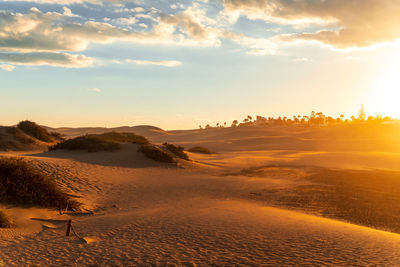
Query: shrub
{"x": 22, "y": 184}
{"x": 200, "y": 149}
{"x": 176, "y": 150}
{"x": 5, "y": 220}
{"x": 35, "y": 130}
{"x": 19, "y": 135}
{"x": 123, "y": 138}
{"x": 91, "y": 143}
{"x": 155, "y": 153}
{"x": 9, "y": 145}
{"x": 57, "y": 136}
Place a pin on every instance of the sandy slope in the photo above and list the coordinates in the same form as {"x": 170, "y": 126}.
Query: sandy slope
{"x": 157, "y": 214}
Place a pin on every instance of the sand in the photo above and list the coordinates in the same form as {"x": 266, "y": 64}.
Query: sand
{"x": 232, "y": 208}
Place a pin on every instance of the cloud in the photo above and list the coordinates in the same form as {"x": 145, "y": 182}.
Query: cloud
{"x": 255, "y": 46}
{"x": 55, "y": 35}
{"x": 300, "y": 59}
{"x": 68, "y": 12}
{"x": 164, "y": 63}
{"x": 348, "y": 23}
{"x": 97, "y": 90}
{"x": 51, "y": 35}
{"x": 37, "y": 31}
{"x": 59, "y": 2}
{"x": 126, "y": 21}
{"x": 7, "y": 67}
{"x": 47, "y": 59}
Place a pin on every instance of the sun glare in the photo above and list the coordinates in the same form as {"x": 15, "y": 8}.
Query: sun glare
{"x": 386, "y": 96}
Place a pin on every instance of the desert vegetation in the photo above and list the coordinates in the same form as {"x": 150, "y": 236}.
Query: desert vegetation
{"x": 123, "y": 138}
{"x": 156, "y": 154}
{"x": 22, "y": 184}
{"x": 201, "y": 150}
{"x": 12, "y": 138}
{"x": 100, "y": 142}
{"x": 19, "y": 135}
{"x": 36, "y": 131}
{"x": 176, "y": 150}
{"x": 5, "y": 220}
{"x": 313, "y": 119}
{"x": 90, "y": 143}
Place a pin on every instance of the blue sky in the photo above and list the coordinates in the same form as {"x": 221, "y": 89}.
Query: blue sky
{"x": 178, "y": 64}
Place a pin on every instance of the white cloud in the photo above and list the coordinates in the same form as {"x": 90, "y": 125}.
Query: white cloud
{"x": 126, "y": 21}
{"x": 145, "y": 16}
{"x": 68, "y": 12}
{"x": 47, "y": 59}
{"x": 301, "y": 59}
{"x": 37, "y": 31}
{"x": 7, "y": 67}
{"x": 97, "y": 90}
{"x": 137, "y": 9}
{"x": 256, "y": 46}
{"x": 59, "y": 2}
{"x": 164, "y": 63}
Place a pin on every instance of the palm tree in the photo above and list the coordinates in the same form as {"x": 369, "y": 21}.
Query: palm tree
{"x": 362, "y": 114}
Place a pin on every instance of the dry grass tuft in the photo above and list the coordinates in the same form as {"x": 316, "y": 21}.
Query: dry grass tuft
{"x": 157, "y": 154}
{"x": 35, "y": 130}
{"x": 176, "y": 150}
{"x": 5, "y": 220}
{"x": 22, "y": 184}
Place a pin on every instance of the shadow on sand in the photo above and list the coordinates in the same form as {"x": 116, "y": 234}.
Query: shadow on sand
{"x": 127, "y": 157}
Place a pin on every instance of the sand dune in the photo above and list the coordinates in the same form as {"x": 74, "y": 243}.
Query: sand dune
{"x": 246, "y": 207}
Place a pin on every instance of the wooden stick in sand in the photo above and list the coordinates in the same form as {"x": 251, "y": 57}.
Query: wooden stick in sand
{"x": 69, "y": 227}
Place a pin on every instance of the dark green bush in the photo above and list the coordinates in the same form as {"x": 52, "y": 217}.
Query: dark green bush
{"x": 176, "y": 150}
{"x": 200, "y": 149}
{"x": 35, "y": 130}
{"x": 22, "y": 184}
{"x": 5, "y": 220}
{"x": 155, "y": 153}
{"x": 91, "y": 143}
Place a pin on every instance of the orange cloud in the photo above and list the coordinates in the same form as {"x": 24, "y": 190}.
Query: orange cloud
{"x": 351, "y": 23}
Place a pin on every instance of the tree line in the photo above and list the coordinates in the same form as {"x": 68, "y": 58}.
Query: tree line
{"x": 314, "y": 119}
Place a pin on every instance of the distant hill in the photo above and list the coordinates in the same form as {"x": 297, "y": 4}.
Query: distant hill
{"x": 145, "y": 130}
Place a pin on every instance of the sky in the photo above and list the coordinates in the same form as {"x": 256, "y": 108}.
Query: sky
{"x": 181, "y": 64}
